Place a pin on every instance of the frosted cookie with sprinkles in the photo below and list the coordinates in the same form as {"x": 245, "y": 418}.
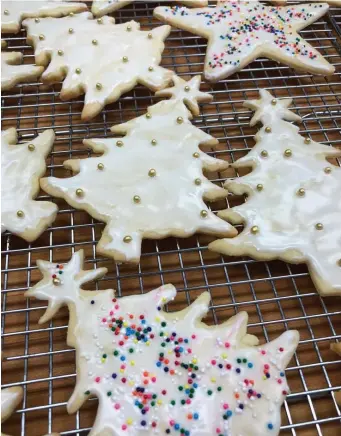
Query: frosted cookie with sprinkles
{"x": 160, "y": 373}
{"x": 102, "y": 7}
{"x": 13, "y": 12}
{"x": 239, "y": 32}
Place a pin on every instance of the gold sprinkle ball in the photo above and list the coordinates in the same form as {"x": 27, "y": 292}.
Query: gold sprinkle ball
{"x": 20, "y": 214}
{"x": 37, "y": 20}
{"x": 6, "y": 12}
{"x": 148, "y": 116}
{"x": 127, "y": 239}
{"x": 41, "y": 37}
{"x": 79, "y": 192}
{"x": 273, "y": 102}
{"x": 254, "y": 229}
{"x": 60, "y": 52}
{"x": 153, "y": 141}
{"x": 301, "y": 192}
{"x": 56, "y": 281}
{"x": 328, "y": 170}
{"x": 99, "y": 86}
{"x": 125, "y": 59}
{"x": 31, "y": 147}
{"x": 119, "y": 143}
{"x": 150, "y": 35}
{"x": 99, "y": 20}
{"x": 71, "y": 14}
{"x": 100, "y": 166}
{"x": 268, "y": 129}
{"x": 196, "y": 155}
{"x": 129, "y": 28}
{"x": 152, "y": 173}
{"x": 150, "y": 68}
{"x": 288, "y": 152}
{"x": 259, "y": 187}
{"x": 78, "y": 70}
{"x": 197, "y": 182}
{"x": 136, "y": 199}
{"x": 94, "y": 42}
{"x": 204, "y": 214}
{"x": 307, "y": 141}
{"x": 319, "y": 226}
{"x": 71, "y": 30}
{"x": 179, "y": 120}
{"x": 264, "y": 153}
{"x": 187, "y": 88}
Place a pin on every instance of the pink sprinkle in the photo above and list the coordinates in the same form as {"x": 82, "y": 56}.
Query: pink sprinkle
{"x": 111, "y": 313}
{"x": 146, "y": 409}
{"x": 123, "y": 367}
{"x": 263, "y": 352}
{"x": 172, "y": 422}
{"x": 281, "y": 349}
{"x": 225, "y": 406}
{"x": 266, "y": 366}
{"x": 124, "y": 427}
{"x": 217, "y": 430}
{"x": 104, "y": 320}
{"x": 189, "y": 350}
{"x": 97, "y": 379}
{"x": 153, "y": 379}
{"x": 279, "y": 381}
{"x": 188, "y": 401}
{"x": 227, "y": 344}
{"x": 213, "y": 362}
{"x": 193, "y": 336}
{"x": 117, "y": 406}
{"x": 116, "y": 306}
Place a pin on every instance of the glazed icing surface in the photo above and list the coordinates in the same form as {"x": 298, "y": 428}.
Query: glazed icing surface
{"x": 13, "y": 12}
{"x": 293, "y": 210}
{"x": 10, "y": 399}
{"x": 166, "y": 373}
{"x": 149, "y": 184}
{"x": 102, "y": 7}
{"x": 97, "y": 57}
{"x": 21, "y": 170}
{"x": 13, "y": 73}
{"x": 240, "y": 31}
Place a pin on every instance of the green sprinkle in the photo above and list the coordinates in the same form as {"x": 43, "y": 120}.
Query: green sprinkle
{"x": 183, "y": 402}
{"x": 104, "y": 356}
{"x": 163, "y": 324}
{"x": 219, "y": 388}
{"x": 109, "y": 393}
{"x": 209, "y": 392}
{"x": 180, "y": 388}
{"x": 173, "y": 403}
{"x": 152, "y": 403}
{"x": 116, "y": 353}
{"x": 87, "y": 392}
{"x": 131, "y": 350}
{"x": 239, "y": 360}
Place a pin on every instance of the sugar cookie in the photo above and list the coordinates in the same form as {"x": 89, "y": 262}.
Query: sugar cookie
{"x": 336, "y": 347}
{"x": 13, "y": 12}
{"x": 165, "y": 373}
{"x": 22, "y": 165}
{"x": 293, "y": 210}
{"x": 149, "y": 184}
{"x": 13, "y": 73}
{"x": 97, "y": 57}
{"x": 239, "y": 32}
{"x": 102, "y": 7}
{"x": 10, "y": 399}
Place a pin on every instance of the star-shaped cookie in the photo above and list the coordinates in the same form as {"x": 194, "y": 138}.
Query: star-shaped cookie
{"x": 239, "y": 32}
{"x": 103, "y": 7}
{"x": 13, "y": 12}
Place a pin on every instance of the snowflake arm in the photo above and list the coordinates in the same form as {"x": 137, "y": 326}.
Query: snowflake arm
{"x": 12, "y": 72}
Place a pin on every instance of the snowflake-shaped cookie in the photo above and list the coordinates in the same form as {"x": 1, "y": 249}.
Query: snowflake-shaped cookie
{"x": 149, "y": 184}
{"x": 166, "y": 373}
{"x": 103, "y": 7}
{"x": 97, "y": 57}
{"x": 13, "y": 12}
{"x": 22, "y": 165}
{"x": 293, "y": 210}
{"x": 240, "y": 31}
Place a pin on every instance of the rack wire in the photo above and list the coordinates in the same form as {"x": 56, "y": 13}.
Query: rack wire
{"x": 276, "y": 295}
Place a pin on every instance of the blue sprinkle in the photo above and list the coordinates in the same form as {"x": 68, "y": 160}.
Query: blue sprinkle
{"x": 250, "y": 365}
{"x": 270, "y": 426}
{"x": 196, "y": 415}
{"x": 113, "y": 375}
{"x": 158, "y": 364}
{"x": 176, "y": 426}
{"x": 123, "y": 358}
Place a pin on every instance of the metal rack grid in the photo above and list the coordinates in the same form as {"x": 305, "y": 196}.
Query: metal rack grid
{"x": 276, "y": 295}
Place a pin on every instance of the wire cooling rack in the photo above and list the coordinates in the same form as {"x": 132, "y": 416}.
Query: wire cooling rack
{"x": 276, "y": 295}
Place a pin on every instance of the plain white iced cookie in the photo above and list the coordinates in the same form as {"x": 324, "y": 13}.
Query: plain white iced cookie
{"x": 13, "y": 12}
{"x": 239, "y": 32}
{"x": 293, "y": 209}
{"x": 22, "y": 165}
{"x": 103, "y": 7}
{"x": 98, "y": 58}
{"x": 156, "y": 372}
{"x": 12, "y": 72}
{"x": 150, "y": 183}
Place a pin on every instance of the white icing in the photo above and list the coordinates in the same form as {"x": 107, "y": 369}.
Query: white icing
{"x": 333, "y": 3}
{"x": 286, "y": 220}
{"x": 171, "y": 203}
{"x": 102, "y": 7}
{"x": 12, "y": 72}
{"x": 13, "y": 12}
{"x": 240, "y": 31}
{"x": 21, "y": 170}
{"x": 115, "y": 370}
{"x": 116, "y": 57}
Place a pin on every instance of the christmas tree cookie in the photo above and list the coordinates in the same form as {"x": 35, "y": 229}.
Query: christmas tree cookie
{"x": 12, "y": 72}
{"x": 165, "y": 373}
{"x": 149, "y": 184}
{"x": 293, "y": 210}
{"x": 102, "y": 7}
{"x": 13, "y": 12}
{"x": 22, "y": 165}
{"x": 98, "y": 58}
{"x": 239, "y": 32}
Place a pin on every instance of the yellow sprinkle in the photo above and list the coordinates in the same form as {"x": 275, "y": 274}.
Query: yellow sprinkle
{"x": 213, "y": 379}
{"x": 186, "y": 386}
{"x": 125, "y": 324}
{"x": 102, "y": 360}
{"x": 157, "y": 319}
{"x": 148, "y": 343}
{"x": 131, "y": 383}
{"x": 121, "y": 370}
{"x": 159, "y": 402}
{"x": 194, "y": 360}
{"x": 132, "y": 363}
{"x": 135, "y": 341}
{"x": 129, "y": 421}
{"x": 170, "y": 351}
{"x": 164, "y": 299}
{"x": 224, "y": 355}
{"x": 264, "y": 377}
